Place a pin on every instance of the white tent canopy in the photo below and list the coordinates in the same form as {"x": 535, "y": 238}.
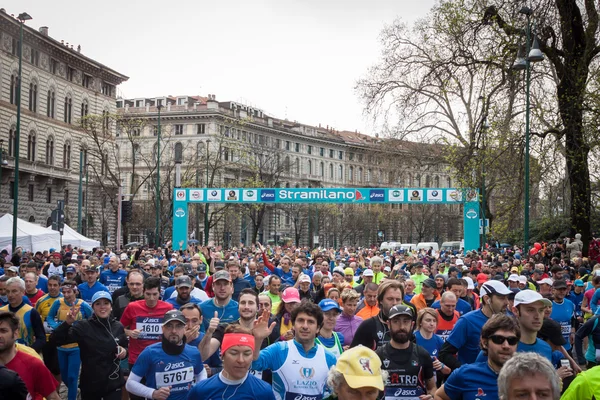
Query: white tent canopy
{"x": 30, "y": 237}
{"x": 76, "y": 239}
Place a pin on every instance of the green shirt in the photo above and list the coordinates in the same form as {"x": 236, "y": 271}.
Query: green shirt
{"x": 418, "y": 280}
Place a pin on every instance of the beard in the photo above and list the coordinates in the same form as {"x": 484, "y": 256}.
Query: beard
{"x": 400, "y": 336}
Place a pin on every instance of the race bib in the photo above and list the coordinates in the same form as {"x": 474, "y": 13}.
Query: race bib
{"x": 175, "y": 377}
{"x": 300, "y": 396}
{"x": 403, "y": 393}
{"x": 150, "y": 328}
{"x": 565, "y": 329}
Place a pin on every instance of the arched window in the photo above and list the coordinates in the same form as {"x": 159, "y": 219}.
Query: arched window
{"x": 50, "y": 150}
{"x": 68, "y": 109}
{"x": 33, "y": 95}
{"x": 360, "y": 174}
{"x": 50, "y": 103}
{"x": 105, "y": 121}
{"x": 351, "y": 173}
{"x": 330, "y": 171}
{"x": 199, "y": 150}
{"x": 427, "y": 181}
{"x": 12, "y": 141}
{"x": 31, "y": 146}
{"x": 286, "y": 165}
{"x": 13, "y": 89}
{"x": 436, "y": 181}
{"x": 322, "y": 170}
{"x": 368, "y": 178}
{"x": 298, "y": 166}
{"x": 179, "y": 152}
{"x": 341, "y": 172}
{"x": 309, "y": 167}
{"x": 67, "y": 155}
{"x": 31, "y": 218}
{"x": 84, "y": 112}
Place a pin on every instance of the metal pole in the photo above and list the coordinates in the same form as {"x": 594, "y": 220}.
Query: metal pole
{"x": 87, "y": 196}
{"x": 206, "y": 204}
{"x": 157, "y": 225}
{"x": 527, "y": 85}
{"x": 80, "y": 197}
{"x": 197, "y": 228}
{"x": 119, "y": 201}
{"x": 17, "y": 139}
{"x": 483, "y": 193}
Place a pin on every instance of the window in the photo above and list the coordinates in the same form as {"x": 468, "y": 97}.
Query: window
{"x": 322, "y": 170}
{"x": 139, "y": 103}
{"x": 11, "y": 190}
{"x": 360, "y": 158}
{"x": 50, "y": 151}
{"x": 15, "y": 46}
{"x": 84, "y": 112}
{"x": 351, "y": 173}
{"x": 50, "y": 103}
{"x": 104, "y": 164}
{"x": 277, "y": 143}
{"x": 136, "y": 131}
{"x": 30, "y": 192}
{"x": 181, "y": 102}
{"x": 309, "y": 149}
{"x": 105, "y": 121}
{"x": 31, "y": 146}
{"x": 322, "y": 152}
{"x": 108, "y": 90}
{"x": 54, "y": 65}
{"x": 287, "y": 145}
{"x": 178, "y": 152}
{"x": 330, "y": 171}
{"x": 341, "y": 172}
{"x": 12, "y": 141}
{"x": 86, "y": 81}
{"x": 286, "y": 165}
{"x": 179, "y": 129}
{"x": 200, "y": 129}
{"x": 360, "y": 174}
{"x": 350, "y": 156}
{"x": 49, "y": 195}
{"x": 13, "y": 89}
{"x": 67, "y": 155}
{"x": 309, "y": 167}
{"x": 33, "y": 96}
{"x": 331, "y": 152}
{"x": 68, "y": 109}
{"x": 34, "y": 57}
{"x": 66, "y": 196}
{"x": 70, "y": 74}
{"x": 297, "y": 147}
{"x": 340, "y": 155}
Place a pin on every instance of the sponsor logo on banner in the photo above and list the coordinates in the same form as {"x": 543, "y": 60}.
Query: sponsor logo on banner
{"x": 376, "y": 195}
{"x": 213, "y": 195}
{"x": 396, "y": 195}
{"x": 358, "y": 195}
{"x": 232, "y": 195}
{"x": 180, "y": 195}
{"x": 267, "y": 195}
{"x": 472, "y": 214}
{"x": 180, "y": 213}
{"x": 471, "y": 195}
{"x": 249, "y": 195}
{"x": 453, "y": 195}
{"x": 196, "y": 195}
{"x": 434, "y": 195}
{"x": 415, "y": 195}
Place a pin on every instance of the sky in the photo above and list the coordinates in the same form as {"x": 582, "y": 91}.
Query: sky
{"x": 294, "y": 59}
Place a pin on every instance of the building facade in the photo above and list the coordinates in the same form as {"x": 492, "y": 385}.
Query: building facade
{"x": 226, "y": 144}
{"x": 60, "y": 89}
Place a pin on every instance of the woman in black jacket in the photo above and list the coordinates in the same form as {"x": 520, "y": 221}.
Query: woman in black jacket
{"x": 102, "y": 345}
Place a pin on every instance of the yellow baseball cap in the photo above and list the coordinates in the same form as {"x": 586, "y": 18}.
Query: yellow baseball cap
{"x": 361, "y": 367}
{"x": 348, "y": 271}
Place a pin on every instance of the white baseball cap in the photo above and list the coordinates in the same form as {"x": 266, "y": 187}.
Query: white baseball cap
{"x": 470, "y": 283}
{"x": 530, "y": 296}
{"x": 368, "y": 272}
{"x": 494, "y": 287}
{"x": 460, "y": 262}
{"x": 546, "y": 281}
{"x": 522, "y": 279}
{"x": 513, "y": 278}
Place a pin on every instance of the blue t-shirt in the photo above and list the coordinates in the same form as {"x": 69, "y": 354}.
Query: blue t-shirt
{"x": 176, "y": 305}
{"x": 563, "y": 314}
{"x": 330, "y": 342}
{"x": 113, "y": 280}
{"x": 472, "y": 382}
{"x": 462, "y": 306}
{"x": 466, "y": 334}
{"x": 168, "y": 292}
{"x": 87, "y": 292}
{"x": 286, "y": 277}
{"x": 226, "y": 314}
{"x": 540, "y": 347}
{"x": 432, "y": 345}
{"x": 408, "y": 297}
{"x": 218, "y": 388}
{"x": 161, "y": 369}
{"x": 42, "y": 283}
{"x": 576, "y": 299}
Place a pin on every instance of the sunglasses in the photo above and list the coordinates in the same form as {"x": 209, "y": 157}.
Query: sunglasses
{"x": 499, "y": 339}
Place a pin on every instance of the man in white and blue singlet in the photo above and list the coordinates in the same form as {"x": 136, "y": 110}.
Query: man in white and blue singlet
{"x": 170, "y": 368}
{"x": 299, "y": 366}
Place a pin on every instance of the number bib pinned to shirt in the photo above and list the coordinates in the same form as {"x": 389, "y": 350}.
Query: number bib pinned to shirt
{"x": 180, "y": 376}
{"x": 150, "y": 328}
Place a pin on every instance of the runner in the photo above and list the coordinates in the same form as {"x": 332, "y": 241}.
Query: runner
{"x": 43, "y": 308}
{"x": 184, "y": 288}
{"x": 31, "y": 291}
{"x": 170, "y": 368}
{"x": 447, "y": 315}
{"x": 135, "y": 284}
{"x": 225, "y": 307}
{"x": 31, "y": 328}
{"x": 368, "y": 307}
{"x": 38, "y": 379}
{"x": 499, "y": 338}
{"x": 563, "y": 312}
{"x": 348, "y": 322}
{"x": 113, "y": 277}
{"x": 425, "y": 337}
{"x": 529, "y": 376}
{"x": 234, "y": 381}
{"x": 91, "y": 286}
{"x": 330, "y": 340}
{"x": 299, "y": 366}
{"x": 410, "y": 369}
{"x": 357, "y": 375}
{"x": 68, "y": 355}
{"x": 102, "y": 344}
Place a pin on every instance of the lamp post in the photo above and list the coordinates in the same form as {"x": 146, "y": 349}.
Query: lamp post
{"x": 87, "y": 196}
{"x": 206, "y": 204}
{"x": 22, "y": 18}
{"x": 157, "y": 225}
{"x": 3, "y": 163}
{"x": 80, "y": 192}
{"x": 523, "y": 62}
{"x": 484, "y": 128}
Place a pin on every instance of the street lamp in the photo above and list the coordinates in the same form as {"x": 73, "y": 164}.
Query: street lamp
{"x": 524, "y": 59}
{"x": 157, "y": 226}
{"x": 206, "y": 204}
{"x": 21, "y": 18}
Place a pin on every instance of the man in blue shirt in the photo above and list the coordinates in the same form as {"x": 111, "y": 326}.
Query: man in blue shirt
{"x": 171, "y": 367}
{"x": 184, "y": 288}
{"x": 91, "y": 286}
{"x": 222, "y": 304}
{"x": 464, "y": 339}
{"x": 563, "y": 311}
{"x": 455, "y": 287}
{"x": 113, "y": 278}
{"x": 238, "y": 282}
{"x": 499, "y": 338}
{"x": 299, "y": 366}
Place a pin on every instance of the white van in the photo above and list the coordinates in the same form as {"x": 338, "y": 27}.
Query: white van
{"x": 408, "y": 246}
{"x": 428, "y": 245}
{"x": 390, "y": 246}
{"x": 451, "y": 246}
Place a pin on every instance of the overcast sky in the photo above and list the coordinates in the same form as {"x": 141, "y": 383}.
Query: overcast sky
{"x": 295, "y": 59}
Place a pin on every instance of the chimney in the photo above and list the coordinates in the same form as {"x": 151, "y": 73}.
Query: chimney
{"x": 44, "y": 30}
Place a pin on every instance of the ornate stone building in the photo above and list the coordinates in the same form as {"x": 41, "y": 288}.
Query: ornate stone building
{"x": 60, "y": 86}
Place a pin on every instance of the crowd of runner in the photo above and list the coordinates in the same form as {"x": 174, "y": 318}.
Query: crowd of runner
{"x": 299, "y": 324}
